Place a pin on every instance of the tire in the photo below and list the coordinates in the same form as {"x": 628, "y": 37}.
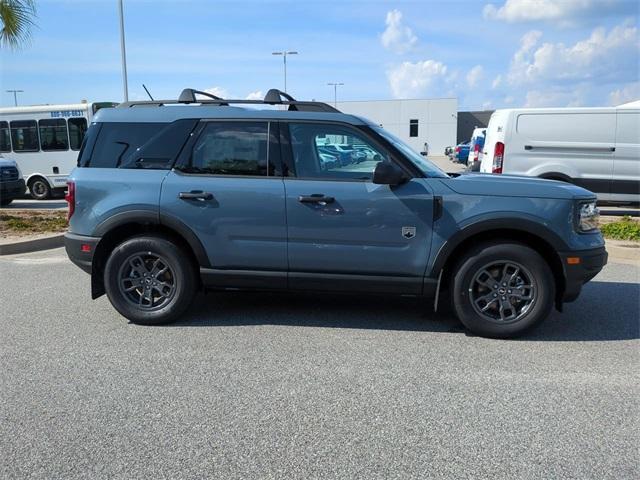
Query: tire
{"x": 495, "y": 302}
{"x": 39, "y": 189}
{"x": 130, "y": 267}
{"x": 5, "y": 201}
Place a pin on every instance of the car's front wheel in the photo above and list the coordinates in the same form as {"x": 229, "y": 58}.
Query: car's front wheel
{"x": 501, "y": 290}
{"x": 150, "y": 280}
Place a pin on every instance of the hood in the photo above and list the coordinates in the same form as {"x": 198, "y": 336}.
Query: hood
{"x": 5, "y": 162}
{"x": 514, "y": 186}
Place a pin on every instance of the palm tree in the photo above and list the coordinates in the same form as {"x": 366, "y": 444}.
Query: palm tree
{"x": 16, "y": 17}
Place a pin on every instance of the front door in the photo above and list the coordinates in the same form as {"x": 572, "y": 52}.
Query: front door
{"x": 346, "y": 233}
{"x": 228, "y": 191}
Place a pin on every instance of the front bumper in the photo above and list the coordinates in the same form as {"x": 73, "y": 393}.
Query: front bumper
{"x": 12, "y": 189}
{"x": 578, "y": 272}
{"x": 80, "y": 249}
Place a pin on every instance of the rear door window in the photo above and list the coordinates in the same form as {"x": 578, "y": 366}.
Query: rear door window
{"x": 77, "y": 129}
{"x": 116, "y": 141}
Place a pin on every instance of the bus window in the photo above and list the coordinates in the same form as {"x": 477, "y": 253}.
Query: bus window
{"x": 24, "y": 136}
{"x": 5, "y": 137}
{"x": 53, "y": 134}
{"x": 77, "y": 129}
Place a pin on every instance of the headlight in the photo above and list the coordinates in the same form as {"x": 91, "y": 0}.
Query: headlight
{"x": 588, "y": 216}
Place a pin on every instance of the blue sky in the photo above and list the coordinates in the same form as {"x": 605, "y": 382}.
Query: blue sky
{"x": 505, "y": 53}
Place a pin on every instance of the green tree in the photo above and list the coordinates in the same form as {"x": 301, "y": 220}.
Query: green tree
{"x": 16, "y": 18}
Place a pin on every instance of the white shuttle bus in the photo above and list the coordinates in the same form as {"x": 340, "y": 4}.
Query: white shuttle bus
{"x": 44, "y": 140}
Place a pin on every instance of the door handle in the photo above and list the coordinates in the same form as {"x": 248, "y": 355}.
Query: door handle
{"x": 195, "y": 195}
{"x": 316, "y": 198}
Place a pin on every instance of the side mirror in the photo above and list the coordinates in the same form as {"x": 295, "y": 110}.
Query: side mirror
{"x": 386, "y": 173}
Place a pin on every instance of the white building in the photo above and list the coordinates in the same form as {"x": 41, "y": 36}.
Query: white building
{"x": 431, "y": 120}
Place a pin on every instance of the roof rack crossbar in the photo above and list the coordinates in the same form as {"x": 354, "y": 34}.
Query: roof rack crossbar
{"x": 273, "y": 97}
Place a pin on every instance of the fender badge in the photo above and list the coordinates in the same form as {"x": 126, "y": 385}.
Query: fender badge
{"x": 408, "y": 232}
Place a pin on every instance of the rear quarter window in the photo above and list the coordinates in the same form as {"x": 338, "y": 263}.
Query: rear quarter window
{"x": 117, "y": 141}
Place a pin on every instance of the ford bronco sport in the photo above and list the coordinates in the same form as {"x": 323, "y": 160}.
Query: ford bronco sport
{"x": 173, "y": 196}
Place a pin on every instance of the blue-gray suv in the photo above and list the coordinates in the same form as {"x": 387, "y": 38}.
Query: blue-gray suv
{"x": 171, "y": 197}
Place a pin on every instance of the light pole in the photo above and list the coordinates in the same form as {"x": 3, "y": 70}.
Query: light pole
{"x": 284, "y": 56}
{"x": 15, "y": 95}
{"x": 123, "y": 53}
{"x": 335, "y": 86}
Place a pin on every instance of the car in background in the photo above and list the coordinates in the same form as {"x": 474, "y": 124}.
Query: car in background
{"x": 12, "y": 184}
{"x": 461, "y": 153}
{"x": 595, "y": 148}
{"x": 328, "y": 161}
{"x": 343, "y": 153}
{"x": 476, "y": 145}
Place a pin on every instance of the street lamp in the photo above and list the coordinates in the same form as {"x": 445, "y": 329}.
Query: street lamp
{"x": 335, "y": 92}
{"x": 123, "y": 53}
{"x": 15, "y": 95}
{"x": 284, "y": 56}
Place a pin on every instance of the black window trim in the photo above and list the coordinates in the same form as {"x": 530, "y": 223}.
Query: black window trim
{"x": 10, "y": 141}
{"x": 66, "y": 126}
{"x": 37, "y": 135}
{"x": 185, "y": 157}
{"x": 394, "y": 155}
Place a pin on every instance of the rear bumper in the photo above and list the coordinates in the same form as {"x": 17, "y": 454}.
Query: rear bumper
{"x": 577, "y": 274}
{"x": 12, "y": 189}
{"x": 80, "y": 249}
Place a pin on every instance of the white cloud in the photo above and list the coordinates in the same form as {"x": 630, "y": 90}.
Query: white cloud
{"x": 611, "y": 56}
{"x": 397, "y": 37}
{"x": 410, "y": 80}
{"x": 496, "y": 82}
{"x": 556, "y": 97}
{"x": 257, "y": 95}
{"x": 626, "y": 94}
{"x": 475, "y": 75}
{"x": 547, "y": 10}
{"x": 218, "y": 92}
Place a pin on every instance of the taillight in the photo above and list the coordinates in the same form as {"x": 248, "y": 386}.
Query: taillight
{"x": 70, "y": 197}
{"x": 498, "y": 157}
{"x": 457, "y": 149}
{"x": 476, "y": 152}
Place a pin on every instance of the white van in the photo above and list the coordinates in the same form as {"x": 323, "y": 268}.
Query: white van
{"x": 596, "y": 148}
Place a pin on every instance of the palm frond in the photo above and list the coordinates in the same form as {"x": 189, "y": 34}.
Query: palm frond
{"x": 17, "y": 19}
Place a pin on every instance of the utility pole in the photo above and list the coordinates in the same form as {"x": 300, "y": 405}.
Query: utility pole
{"x": 15, "y": 95}
{"x": 335, "y": 92}
{"x": 284, "y": 54}
{"x": 123, "y": 53}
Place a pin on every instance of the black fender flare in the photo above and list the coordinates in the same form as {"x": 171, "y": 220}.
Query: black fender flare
{"x": 152, "y": 217}
{"x": 479, "y": 226}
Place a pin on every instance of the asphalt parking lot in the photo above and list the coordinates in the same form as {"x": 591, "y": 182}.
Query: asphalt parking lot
{"x": 254, "y": 385}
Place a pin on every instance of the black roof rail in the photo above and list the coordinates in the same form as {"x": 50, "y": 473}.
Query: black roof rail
{"x": 273, "y": 97}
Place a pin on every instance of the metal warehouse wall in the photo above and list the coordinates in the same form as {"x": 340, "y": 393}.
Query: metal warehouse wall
{"x": 467, "y": 121}
{"x": 436, "y": 117}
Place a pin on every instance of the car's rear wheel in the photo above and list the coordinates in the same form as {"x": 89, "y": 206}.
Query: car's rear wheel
{"x": 150, "y": 280}
{"x": 39, "y": 189}
{"x": 502, "y": 290}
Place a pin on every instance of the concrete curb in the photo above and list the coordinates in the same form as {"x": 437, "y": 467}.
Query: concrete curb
{"x": 33, "y": 245}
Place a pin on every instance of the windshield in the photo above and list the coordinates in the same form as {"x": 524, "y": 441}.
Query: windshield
{"x": 427, "y": 167}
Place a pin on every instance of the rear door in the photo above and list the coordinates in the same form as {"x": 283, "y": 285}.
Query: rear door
{"x": 625, "y": 184}
{"x": 228, "y": 190}
{"x": 346, "y": 233}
